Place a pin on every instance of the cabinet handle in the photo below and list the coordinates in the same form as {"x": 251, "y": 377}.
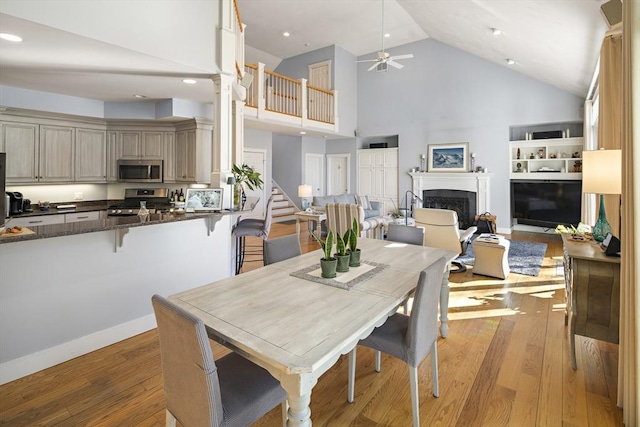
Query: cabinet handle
{"x": 82, "y": 217}
{"x": 35, "y": 222}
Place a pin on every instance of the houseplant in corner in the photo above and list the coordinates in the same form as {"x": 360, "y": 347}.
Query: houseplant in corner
{"x": 328, "y": 264}
{"x": 244, "y": 175}
{"x": 343, "y": 257}
{"x": 353, "y": 244}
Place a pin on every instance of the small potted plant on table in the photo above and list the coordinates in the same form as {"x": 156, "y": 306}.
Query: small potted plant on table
{"x": 328, "y": 264}
{"x": 354, "y": 252}
{"x": 343, "y": 257}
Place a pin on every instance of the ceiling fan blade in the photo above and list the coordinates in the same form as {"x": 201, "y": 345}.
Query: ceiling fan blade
{"x": 368, "y": 60}
{"x": 394, "y": 64}
{"x": 407, "y": 56}
{"x": 373, "y": 67}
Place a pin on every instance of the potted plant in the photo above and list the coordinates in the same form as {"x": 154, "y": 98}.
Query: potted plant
{"x": 328, "y": 264}
{"x": 343, "y": 257}
{"x": 354, "y": 252}
{"x": 244, "y": 175}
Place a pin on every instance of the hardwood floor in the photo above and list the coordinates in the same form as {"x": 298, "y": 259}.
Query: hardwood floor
{"x": 506, "y": 361}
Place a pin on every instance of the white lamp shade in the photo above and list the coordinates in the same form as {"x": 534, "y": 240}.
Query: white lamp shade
{"x": 602, "y": 171}
{"x": 305, "y": 191}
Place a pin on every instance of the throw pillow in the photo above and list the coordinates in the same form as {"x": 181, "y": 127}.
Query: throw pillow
{"x": 342, "y": 198}
{"x": 364, "y": 202}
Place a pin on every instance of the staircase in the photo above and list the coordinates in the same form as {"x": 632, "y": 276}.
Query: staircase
{"x": 283, "y": 208}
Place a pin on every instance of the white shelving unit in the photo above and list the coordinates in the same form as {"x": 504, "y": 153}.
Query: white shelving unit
{"x": 555, "y": 158}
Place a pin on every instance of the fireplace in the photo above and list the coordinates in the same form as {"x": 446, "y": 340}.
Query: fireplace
{"x": 461, "y": 201}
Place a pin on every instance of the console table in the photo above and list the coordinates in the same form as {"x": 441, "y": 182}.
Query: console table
{"x": 592, "y": 285}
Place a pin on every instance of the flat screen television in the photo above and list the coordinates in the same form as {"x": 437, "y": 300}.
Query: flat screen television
{"x": 546, "y": 203}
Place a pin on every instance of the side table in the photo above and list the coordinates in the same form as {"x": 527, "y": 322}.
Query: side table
{"x": 491, "y": 258}
{"x": 318, "y": 217}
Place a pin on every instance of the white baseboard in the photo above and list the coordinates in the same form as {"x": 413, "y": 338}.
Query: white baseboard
{"x": 26, "y": 365}
{"x": 534, "y": 229}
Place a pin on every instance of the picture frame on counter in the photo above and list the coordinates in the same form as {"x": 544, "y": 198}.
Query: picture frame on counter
{"x": 204, "y": 200}
{"x": 448, "y": 157}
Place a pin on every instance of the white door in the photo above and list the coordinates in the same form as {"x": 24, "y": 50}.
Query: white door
{"x": 256, "y": 159}
{"x": 338, "y": 173}
{"x": 319, "y": 78}
{"x": 320, "y": 75}
{"x": 314, "y": 173}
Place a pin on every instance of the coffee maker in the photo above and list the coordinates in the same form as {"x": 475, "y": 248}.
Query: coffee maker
{"x": 15, "y": 202}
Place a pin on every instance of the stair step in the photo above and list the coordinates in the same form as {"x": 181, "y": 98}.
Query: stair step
{"x": 283, "y": 211}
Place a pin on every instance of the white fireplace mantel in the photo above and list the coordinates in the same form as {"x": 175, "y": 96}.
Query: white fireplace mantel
{"x": 474, "y": 182}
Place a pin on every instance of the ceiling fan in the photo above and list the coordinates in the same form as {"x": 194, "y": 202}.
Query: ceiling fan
{"x": 384, "y": 59}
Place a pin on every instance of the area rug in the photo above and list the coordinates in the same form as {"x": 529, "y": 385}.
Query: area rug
{"x": 524, "y": 257}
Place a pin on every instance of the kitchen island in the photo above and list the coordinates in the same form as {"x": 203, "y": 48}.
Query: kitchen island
{"x": 69, "y": 289}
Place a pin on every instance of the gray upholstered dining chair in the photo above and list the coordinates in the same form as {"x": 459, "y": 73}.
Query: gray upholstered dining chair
{"x": 253, "y": 227}
{"x": 280, "y": 248}
{"x": 410, "y": 338}
{"x": 405, "y": 234}
{"x": 199, "y": 391}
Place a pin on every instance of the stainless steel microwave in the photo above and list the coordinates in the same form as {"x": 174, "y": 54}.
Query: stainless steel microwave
{"x": 140, "y": 170}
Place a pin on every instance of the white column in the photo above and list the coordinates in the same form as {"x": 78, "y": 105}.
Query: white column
{"x": 223, "y": 147}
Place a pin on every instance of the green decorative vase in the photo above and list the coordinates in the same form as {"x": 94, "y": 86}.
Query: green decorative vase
{"x": 602, "y": 227}
{"x": 355, "y": 258}
{"x": 343, "y": 263}
{"x": 328, "y": 267}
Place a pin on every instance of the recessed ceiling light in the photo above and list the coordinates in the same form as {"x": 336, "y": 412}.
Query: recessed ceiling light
{"x": 139, "y": 96}
{"x": 10, "y": 37}
{"x": 510, "y": 61}
{"x": 189, "y": 81}
{"x": 387, "y": 35}
{"x": 286, "y": 34}
{"x": 302, "y": 132}
{"x": 495, "y": 31}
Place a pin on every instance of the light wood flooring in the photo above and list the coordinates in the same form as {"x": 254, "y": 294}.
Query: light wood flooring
{"x": 506, "y": 361}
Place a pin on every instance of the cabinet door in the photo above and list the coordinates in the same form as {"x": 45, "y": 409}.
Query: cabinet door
{"x": 20, "y": 142}
{"x": 390, "y": 183}
{"x": 91, "y": 155}
{"x": 57, "y": 146}
{"x": 130, "y": 146}
{"x": 185, "y": 156}
{"x": 390, "y": 159}
{"x": 365, "y": 158}
{"x": 27, "y": 221}
{"x": 112, "y": 156}
{"x": 169, "y": 157}
{"x": 153, "y": 145}
{"x": 82, "y": 216}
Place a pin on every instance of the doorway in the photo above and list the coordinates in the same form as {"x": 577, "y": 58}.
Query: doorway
{"x": 314, "y": 172}
{"x": 257, "y": 159}
{"x": 338, "y": 173}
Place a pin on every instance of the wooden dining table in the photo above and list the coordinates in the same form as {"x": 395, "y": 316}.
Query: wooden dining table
{"x": 297, "y": 326}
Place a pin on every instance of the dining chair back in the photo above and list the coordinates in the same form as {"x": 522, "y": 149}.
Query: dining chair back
{"x": 280, "y": 248}
{"x": 200, "y": 392}
{"x": 410, "y": 338}
{"x": 252, "y": 227}
{"x": 405, "y": 234}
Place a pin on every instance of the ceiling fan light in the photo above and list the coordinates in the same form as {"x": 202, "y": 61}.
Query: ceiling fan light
{"x": 510, "y": 61}
{"x": 495, "y": 31}
{"x": 189, "y": 81}
{"x": 286, "y": 34}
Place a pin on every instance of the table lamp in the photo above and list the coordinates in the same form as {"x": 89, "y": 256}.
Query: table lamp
{"x": 231, "y": 181}
{"x": 304, "y": 192}
{"x": 602, "y": 174}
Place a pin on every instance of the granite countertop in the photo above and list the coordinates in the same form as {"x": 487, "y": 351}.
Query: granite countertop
{"x": 109, "y": 223}
{"x": 80, "y": 207}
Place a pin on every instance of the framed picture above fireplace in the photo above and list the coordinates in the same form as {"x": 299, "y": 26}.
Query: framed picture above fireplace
{"x": 448, "y": 157}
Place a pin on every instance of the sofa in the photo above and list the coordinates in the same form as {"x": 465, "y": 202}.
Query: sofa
{"x": 369, "y": 212}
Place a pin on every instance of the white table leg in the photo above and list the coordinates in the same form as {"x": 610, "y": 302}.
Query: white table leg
{"x": 298, "y": 388}
{"x": 319, "y": 228}
{"x": 298, "y": 227}
{"x": 444, "y": 303}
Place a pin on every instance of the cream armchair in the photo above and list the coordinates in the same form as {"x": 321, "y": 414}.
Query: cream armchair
{"x": 441, "y": 230}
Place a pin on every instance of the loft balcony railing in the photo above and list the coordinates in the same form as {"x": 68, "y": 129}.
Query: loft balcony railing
{"x": 273, "y": 94}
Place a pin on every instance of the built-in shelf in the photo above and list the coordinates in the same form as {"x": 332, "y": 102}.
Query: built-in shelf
{"x": 556, "y": 158}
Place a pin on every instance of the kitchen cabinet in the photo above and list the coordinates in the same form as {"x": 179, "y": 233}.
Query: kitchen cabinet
{"x": 56, "y": 154}
{"x": 378, "y": 176}
{"x": 20, "y": 141}
{"x": 135, "y": 145}
{"x": 112, "y": 156}
{"x": 36, "y": 220}
{"x": 185, "y": 166}
{"x": 81, "y": 216}
{"x": 169, "y": 157}
{"x": 91, "y": 156}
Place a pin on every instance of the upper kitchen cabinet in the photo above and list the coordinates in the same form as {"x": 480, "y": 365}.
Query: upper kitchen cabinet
{"x": 56, "y": 155}
{"x": 169, "y": 157}
{"x": 185, "y": 159}
{"x": 91, "y": 155}
{"x": 141, "y": 145}
{"x": 20, "y": 141}
{"x": 194, "y": 140}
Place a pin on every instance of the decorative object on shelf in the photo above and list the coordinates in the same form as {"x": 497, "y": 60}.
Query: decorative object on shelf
{"x": 602, "y": 175}
{"x": 305, "y": 191}
{"x": 143, "y": 212}
{"x": 577, "y": 166}
{"x": 518, "y": 154}
{"x": 231, "y": 181}
{"x": 531, "y": 156}
{"x": 328, "y": 264}
{"x": 552, "y": 155}
{"x": 449, "y": 157}
{"x": 472, "y": 161}
{"x": 541, "y": 153}
{"x": 519, "y": 167}
{"x": 423, "y": 163}
{"x": 204, "y": 199}
{"x": 244, "y": 175}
